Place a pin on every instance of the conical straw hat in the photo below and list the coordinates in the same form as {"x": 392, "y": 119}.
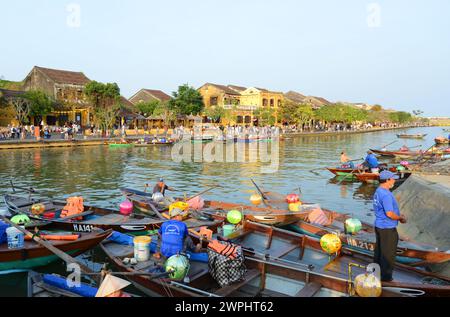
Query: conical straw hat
{"x": 110, "y": 285}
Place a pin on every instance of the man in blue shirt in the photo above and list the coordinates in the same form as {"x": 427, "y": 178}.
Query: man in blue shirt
{"x": 387, "y": 216}
{"x": 371, "y": 160}
{"x": 174, "y": 238}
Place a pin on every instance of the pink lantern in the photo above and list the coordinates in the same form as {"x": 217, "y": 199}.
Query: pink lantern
{"x": 126, "y": 207}
{"x": 404, "y": 163}
{"x": 292, "y": 198}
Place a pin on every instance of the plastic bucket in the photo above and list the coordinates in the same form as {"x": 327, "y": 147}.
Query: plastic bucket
{"x": 227, "y": 230}
{"x": 15, "y": 238}
{"x": 142, "y": 248}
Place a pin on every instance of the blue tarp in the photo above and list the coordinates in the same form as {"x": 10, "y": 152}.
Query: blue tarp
{"x": 3, "y": 227}
{"x": 56, "y": 281}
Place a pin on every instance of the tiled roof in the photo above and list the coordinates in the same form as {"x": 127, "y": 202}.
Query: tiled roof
{"x": 64, "y": 76}
{"x": 224, "y": 88}
{"x": 295, "y": 96}
{"x": 158, "y": 94}
{"x": 237, "y": 88}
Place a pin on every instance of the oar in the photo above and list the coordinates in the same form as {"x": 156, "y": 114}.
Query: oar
{"x": 202, "y": 192}
{"x": 385, "y": 146}
{"x": 340, "y": 182}
{"x": 64, "y": 256}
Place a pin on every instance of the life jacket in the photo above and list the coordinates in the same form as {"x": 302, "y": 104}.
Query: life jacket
{"x": 74, "y": 206}
{"x": 227, "y": 249}
{"x": 172, "y": 233}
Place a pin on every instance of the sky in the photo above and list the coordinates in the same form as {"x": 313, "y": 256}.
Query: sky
{"x": 390, "y": 52}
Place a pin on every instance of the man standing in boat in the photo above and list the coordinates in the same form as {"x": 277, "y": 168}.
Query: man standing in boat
{"x": 370, "y": 161}
{"x": 161, "y": 187}
{"x": 387, "y": 216}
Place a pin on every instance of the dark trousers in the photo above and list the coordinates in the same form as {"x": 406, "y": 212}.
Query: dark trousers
{"x": 385, "y": 251}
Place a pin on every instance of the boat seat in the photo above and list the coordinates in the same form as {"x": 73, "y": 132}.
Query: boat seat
{"x": 227, "y": 290}
{"x": 309, "y": 290}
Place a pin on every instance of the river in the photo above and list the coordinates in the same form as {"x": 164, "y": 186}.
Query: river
{"x": 97, "y": 172}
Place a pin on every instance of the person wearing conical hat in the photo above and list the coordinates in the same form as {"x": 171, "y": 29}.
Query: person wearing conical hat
{"x": 112, "y": 287}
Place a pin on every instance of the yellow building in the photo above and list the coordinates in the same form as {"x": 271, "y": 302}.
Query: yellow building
{"x": 244, "y": 101}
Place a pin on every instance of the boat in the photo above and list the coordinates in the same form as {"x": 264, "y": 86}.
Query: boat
{"x": 442, "y": 140}
{"x": 120, "y": 145}
{"x": 402, "y": 154}
{"x": 408, "y": 252}
{"x": 344, "y": 171}
{"x": 367, "y": 177}
{"x": 411, "y": 136}
{"x": 34, "y": 255}
{"x": 271, "y": 215}
{"x": 445, "y": 130}
{"x": 92, "y": 217}
{"x": 153, "y": 143}
{"x": 279, "y": 263}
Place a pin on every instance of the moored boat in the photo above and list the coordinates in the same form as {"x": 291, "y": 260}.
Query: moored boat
{"x": 33, "y": 255}
{"x": 92, "y": 217}
{"x": 411, "y": 136}
{"x": 273, "y": 255}
{"x": 442, "y": 140}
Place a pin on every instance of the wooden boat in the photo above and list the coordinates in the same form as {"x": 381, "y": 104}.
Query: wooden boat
{"x": 344, "y": 171}
{"x": 402, "y": 154}
{"x": 411, "y": 136}
{"x": 279, "y": 263}
{"x": 216, "y": 209}
{"x": 153, "y": 143}
{"x": 92, "y": 217}
{"x": 375, "y": 177}
{"x": 120, "y": 145}
{"x": 34, "y": 255}
{"x": 442, "y": 140}
{"x": 408, "y": 252}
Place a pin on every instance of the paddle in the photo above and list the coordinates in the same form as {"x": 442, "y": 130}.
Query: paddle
{"x": 64, "y": 256}
{"x": 389, "y": 144}
{"x": 202, "y": 192}
{"x": 351, "y": 173}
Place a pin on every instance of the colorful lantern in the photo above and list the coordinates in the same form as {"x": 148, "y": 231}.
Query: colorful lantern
{"x": 367, "y": 285}
{"x": 20, "y": 219}
{"x": 255, "y": 199}
{"x": 37, "y": 209}
{"x": 353, "y": 225}
{"x": 294, "y": 207}
{"x": 292, "y": 198}
{"x": 179, "y": 264}
{"x": 330, "y": 243}
{"x": 234, "y": 217}
{"x": 126, "y": 207}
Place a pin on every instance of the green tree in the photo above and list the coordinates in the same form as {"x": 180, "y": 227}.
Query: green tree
{"x": 377, "y": 108}
{"x": 147, "y": 108}
{"x": 215, "y": 113}
{"x": 165, "y": 111}
{"x": 40, "y": 103}
{"x": 187, "y": 100}
{"x": 304, "y": 114}
{"x": 105, "y": 99}
{"x": 265, "y": 115}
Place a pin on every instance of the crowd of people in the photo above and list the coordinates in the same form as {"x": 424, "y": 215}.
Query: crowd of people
{"x": 338, "y": 127}
{"x": 22, "y": 132}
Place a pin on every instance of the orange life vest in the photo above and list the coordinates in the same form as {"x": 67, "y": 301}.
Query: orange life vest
{"x": 74, "y": 206}
{"x": 228, "y": 249}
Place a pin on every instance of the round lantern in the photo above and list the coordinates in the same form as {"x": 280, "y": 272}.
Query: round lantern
{"x": 292, "y": 198}
{"x": 126, "y": 207}
{"x": 255, "y": 199}
{"x": 234, "y": 217}
{"x": 37, "y": 209}
{"x": 20, "y": 220}
{"x": 404, "y": 163}
{"x": 330, "y": 243}
{"x": 179, "y": 264}
{"x": 294, "y": 207}
{"x": 367, "y": 285}
{"x": 353, "y": 225}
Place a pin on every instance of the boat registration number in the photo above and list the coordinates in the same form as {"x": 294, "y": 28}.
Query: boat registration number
{"x": 82, "y": 228}
{"x": 361, "y": 244}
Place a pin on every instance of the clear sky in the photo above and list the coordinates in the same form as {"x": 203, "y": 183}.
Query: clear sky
{"x": 392, "y": 52}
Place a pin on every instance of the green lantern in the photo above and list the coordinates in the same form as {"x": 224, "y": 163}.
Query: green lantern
{"x": 234, "y": 217}
{"x": 20, "y": 220}
{"x": 179, "y": 264}
{"x": 353, "y": 225}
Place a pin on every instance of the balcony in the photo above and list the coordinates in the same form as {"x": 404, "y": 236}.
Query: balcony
{"x": 241, "y": 107}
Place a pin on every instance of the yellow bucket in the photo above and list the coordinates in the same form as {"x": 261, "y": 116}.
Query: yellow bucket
{"x": 142, "y": 248}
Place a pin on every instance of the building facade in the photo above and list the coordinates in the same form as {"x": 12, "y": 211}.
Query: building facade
{"x": 67, "y": 88}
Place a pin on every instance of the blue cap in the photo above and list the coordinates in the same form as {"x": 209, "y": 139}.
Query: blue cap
{"x": 161, "y": 179}
{"x": 384, "y": 175}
